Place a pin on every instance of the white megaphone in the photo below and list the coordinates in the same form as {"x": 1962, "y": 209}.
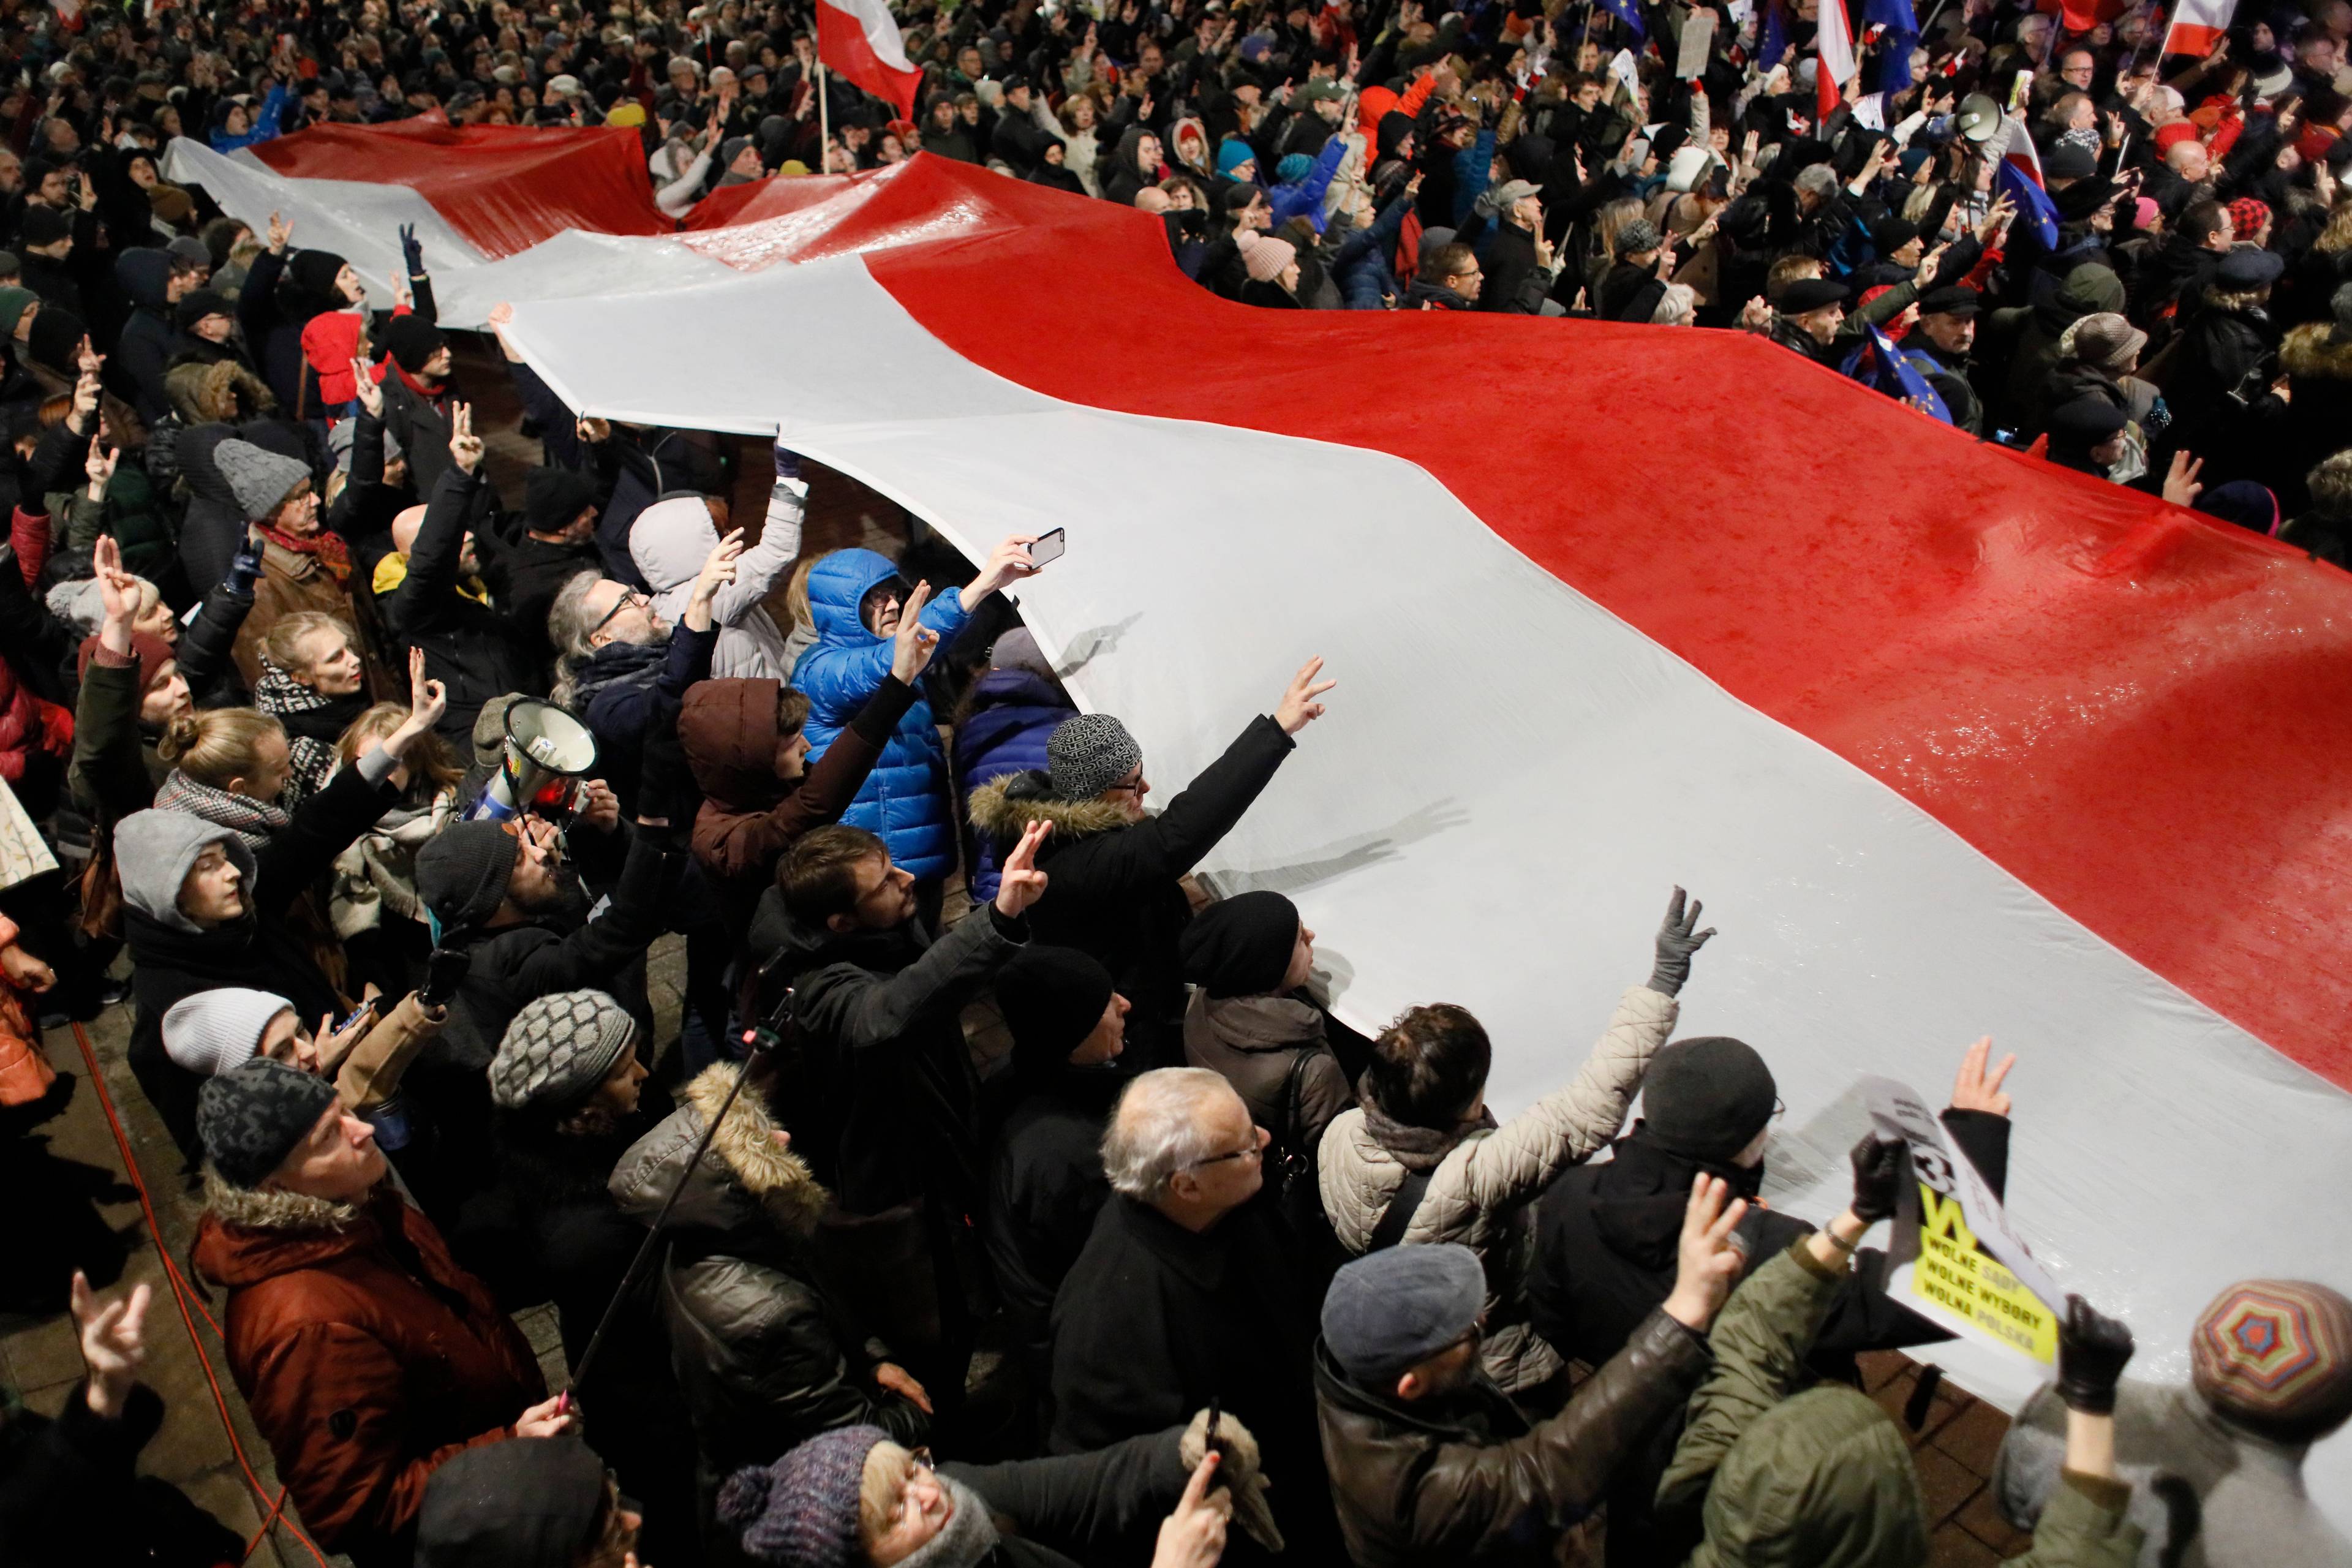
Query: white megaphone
{"x": 545, "y": 755}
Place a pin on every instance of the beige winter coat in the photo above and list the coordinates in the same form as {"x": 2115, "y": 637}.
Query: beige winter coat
{"x": 1478, "y": 1194}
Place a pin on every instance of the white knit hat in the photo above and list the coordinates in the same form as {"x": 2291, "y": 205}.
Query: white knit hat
{"x": 218, "y": 1031}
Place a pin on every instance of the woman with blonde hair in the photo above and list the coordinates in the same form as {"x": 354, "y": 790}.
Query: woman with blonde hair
{"x": 314, "y": 682}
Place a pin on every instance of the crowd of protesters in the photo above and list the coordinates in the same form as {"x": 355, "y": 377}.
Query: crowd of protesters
{"x": 370, "y": 784}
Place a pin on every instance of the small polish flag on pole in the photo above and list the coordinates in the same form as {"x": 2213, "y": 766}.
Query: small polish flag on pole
{"x": 2198, "y": 25}
{"x": 859, "y": 42}
{"x": 1837, "y": 66}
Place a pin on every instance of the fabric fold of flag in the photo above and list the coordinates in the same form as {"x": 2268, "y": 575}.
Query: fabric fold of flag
{"x": 858, "y": 40}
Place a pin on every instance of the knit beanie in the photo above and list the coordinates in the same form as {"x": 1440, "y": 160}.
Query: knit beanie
{"x": 1087, "y": 754}
{"x": 462, "y": 872}
{"x": 1231, "y": 153}
{"x": 1293, "y": 168}
{"x": 314, "y": 272}
{"x": 1240, "y": 946}
{"x": 414, "y": 341}
{"x": 802, "y": 1510}
{"x": 1018, "y": 649}
{"x": 1637, "y": 236}
{"x": 2247, "y": 215}
{"x": 14, "y": 304}
{"x": 1390, "y": 1311}
{"x": 1263, "y": 255}
{"x": 55, "y": 336}
{"x": 491, "y": 730}
{"x": 345, "y": 436}
{"x": 218, "y": 1031}
{"x": 152, "y": 652}
{"x": 2276, "y": 1356}
{"x": 251, "y": 1118}
{"x": 559, "y": 1049}
{"x": 193, "y": 308}
{"x": 42, "y": 225}
{"x": 259, "y": 480}
{"x": 1052, "y": 998}
{"x": 552, "y": 498}
{"x": 1707, "y": 1099}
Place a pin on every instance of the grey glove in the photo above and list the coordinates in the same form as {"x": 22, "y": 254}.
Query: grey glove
{"x": 1238, "y": 1470}
{"x": 1676, "y": 945}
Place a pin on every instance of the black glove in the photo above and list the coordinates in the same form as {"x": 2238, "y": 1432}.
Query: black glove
{"x": 245, "y": 568}
{"x": 788, "y": 462}
{"x": 1676, "y": 945}
{"x": 2092, "y": 1351}
{"x": 445, "y": 971}
{"x": 412, "y": 255}
{"x": 1881, "y": 1166}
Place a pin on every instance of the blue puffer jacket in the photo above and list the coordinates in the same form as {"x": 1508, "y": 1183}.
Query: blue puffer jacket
{"x": 905, "y": 799}
{"x": 1014, "y": 714}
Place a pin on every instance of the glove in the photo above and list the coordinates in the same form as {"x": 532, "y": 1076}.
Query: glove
{"x": 1881, "y": 1165}
{"x": 1488, "y": 202}
{"x": 1676, "y": 945}
{"x": 2092, "y": 1351}
{"x": 788, "y": 462}
{"x": 412, "y": 255}
{"x": 444, "y": 970}
{"x": 1238, "y": 1471}
{"x": 245, "y": 569}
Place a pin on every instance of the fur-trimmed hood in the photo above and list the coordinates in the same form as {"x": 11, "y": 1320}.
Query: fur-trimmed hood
{"x": 272, "y": 1208}
{"x": 1004, "y": 807}
{"x": 2317, "y": 351}
{"x": 747, "y": 1179}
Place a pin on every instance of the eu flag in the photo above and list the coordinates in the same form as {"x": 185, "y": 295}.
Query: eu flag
{"x": 1627, "y": 12}
{"x": 2035, "y": 210}
{"x": 1878, "y": 364}
{"x": 1772, "y": 34}
{"x": 1891, "y": 72}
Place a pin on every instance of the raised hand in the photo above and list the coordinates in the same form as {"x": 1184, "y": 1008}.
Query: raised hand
{"x": 113, "y": 1343}
{"x": 412, "y": 254}
{"x": 914, "y": 643}
{"x": 1880, "y": 1166}
{"x": 2092, "y": 1351}
{"x": 2180, "y": 485}
{"x": 465, "y": 446}
{"x": 371, "y": 392}
{"x": 548, "y": 1418}
{"x": 1020, "y": 883}
{"x": 99, "y": 466}
{"x": 1707, "y": 1263}
{"x": 890, "y": 1376}
{"x": 1977, "y": 1089}
{"x": 282, "y": 233}
{"x": 1195, "y": 1535}
{"x": 718, "y": 568}
{"x": 118, "y": 589}
{"x": 427, "y": 699}
{"x": 1677, "y": 941}
{"x": 1008, "y": 563}
{"x": 1298, "y": 707}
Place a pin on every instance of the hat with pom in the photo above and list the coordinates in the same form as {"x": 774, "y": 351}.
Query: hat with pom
{"x": 1264, "y": 256}
{"x": 802, "y": 1510}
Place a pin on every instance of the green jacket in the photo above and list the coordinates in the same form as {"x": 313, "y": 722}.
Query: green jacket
{"x": 1823, "y": 1478}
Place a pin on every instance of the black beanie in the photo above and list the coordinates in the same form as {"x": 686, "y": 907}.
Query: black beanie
{"x": 413, "y": 340}
{"x": 552, "y": 498}
{"x": 1052, "y": 998}
{"x": 52, "y": 339}
{"x": 462, "y": 872}
{"x": 1240, "y": 946}
{"x": 193, "y": 308}
{"x": 509, "y": 1505}
{"x": 1707, "y": 1099}
{"x": 314, "y": 272}
{"x": 251, "y": 1118}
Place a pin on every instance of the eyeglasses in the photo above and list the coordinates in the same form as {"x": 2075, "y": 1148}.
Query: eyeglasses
{"x": 1126, "y": 786}
{"x": 629, "y": 596}
{"x": 1254, "y": 1151}
{"x": 1779, "y": 1107}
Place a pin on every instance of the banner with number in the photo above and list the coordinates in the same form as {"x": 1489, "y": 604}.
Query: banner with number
{"x": 1954, "y": 1258}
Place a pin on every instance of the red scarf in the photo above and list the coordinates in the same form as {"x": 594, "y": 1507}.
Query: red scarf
{"x": 327, "y": 545}
{"x": 433, "y": 395}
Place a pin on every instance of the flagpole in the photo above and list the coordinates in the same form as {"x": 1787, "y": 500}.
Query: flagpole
{"x": 824, "y": 109}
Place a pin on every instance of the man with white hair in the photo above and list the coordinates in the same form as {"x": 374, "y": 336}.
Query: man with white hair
{"x": 1187, "y": 1294}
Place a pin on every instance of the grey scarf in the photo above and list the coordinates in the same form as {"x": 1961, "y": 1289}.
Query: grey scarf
{"x": 967, "y": 1539}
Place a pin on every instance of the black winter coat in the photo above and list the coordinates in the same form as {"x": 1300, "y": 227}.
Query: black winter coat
{"x": 1079, "y": 1508}
{"x": 1046, "y": 1186}
{"x": 69, "y": 1495}
{"x": 475, "y": 651}
{"x": 1154, "y": 1321}
{"x": 1115, "y": 889}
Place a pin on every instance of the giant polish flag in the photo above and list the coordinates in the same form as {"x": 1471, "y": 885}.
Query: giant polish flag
{"x": 1837, "y": 66}
{"x": 1952, "y": 742}
{"x": 859, "y": 39}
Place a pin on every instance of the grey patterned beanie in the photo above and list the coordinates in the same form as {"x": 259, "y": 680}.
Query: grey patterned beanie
{"x": 1088, "y": 753}
{"x": 259, "y": 478}
{"x": 559, "y": 1049}
{"x": 252, "y": 1118}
